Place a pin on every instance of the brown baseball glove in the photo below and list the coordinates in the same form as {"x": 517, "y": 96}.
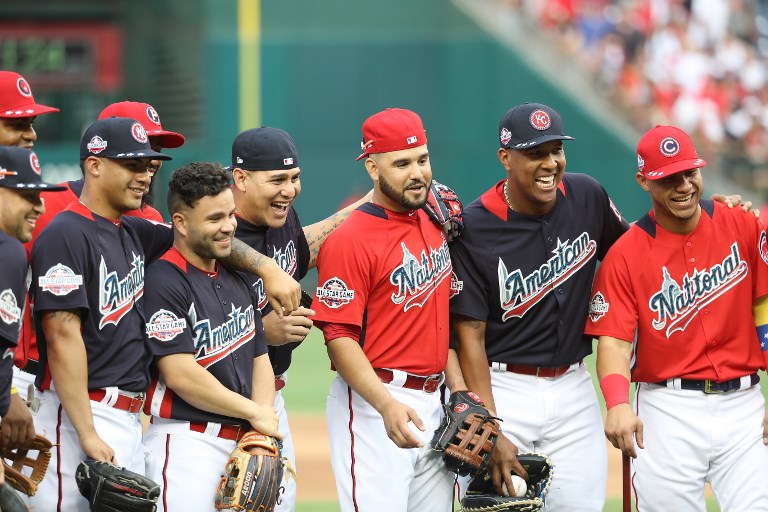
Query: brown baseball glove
{"x": 467, "y": 434}
{"x": 14, "y": 461}
{"x": 252, "y": 476}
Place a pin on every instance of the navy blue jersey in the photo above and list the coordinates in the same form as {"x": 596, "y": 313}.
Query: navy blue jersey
{"x": 529, "y": 277}
{"x": 85, "y": 262}
{"x": 210, "y": 315}
{"x": 13, "y": 289}
{"x": 288, "y": 246}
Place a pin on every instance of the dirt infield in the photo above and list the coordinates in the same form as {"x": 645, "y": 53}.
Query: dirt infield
{"x": 315, "y": 477}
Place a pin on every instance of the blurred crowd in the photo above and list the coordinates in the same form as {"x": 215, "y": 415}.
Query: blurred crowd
{"x": 697, "y": 64}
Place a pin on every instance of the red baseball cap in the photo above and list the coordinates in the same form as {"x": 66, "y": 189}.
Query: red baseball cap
{"x": 666, "y": 150}
{"x": 392, "y": 130}
{"x": 149, "y": 119}
{"x": 16, "y": 98}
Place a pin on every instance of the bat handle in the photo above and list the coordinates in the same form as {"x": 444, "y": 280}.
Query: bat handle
{"x": 626, "y": 496}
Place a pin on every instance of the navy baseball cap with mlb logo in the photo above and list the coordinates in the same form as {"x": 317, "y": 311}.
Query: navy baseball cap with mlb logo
{"x": 529, "y": 125}
{"x": 20, "y": 169}
{"x": 264, "y": 149}
{"x": 117, "y": 137}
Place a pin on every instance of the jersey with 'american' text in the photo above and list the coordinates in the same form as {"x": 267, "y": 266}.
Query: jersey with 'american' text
{"x": 528, "y": 277}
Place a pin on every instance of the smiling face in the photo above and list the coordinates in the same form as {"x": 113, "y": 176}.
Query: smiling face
{"x": 401, "y": 178}
{"x": 121, "y": 183}
{"x": 17, "y": 132}
{"x": 19, "y": 210}
{"x": 675, "y": 199}
{"x": 264, "y": 197}
{"x": 207, "y": 229}
{"x": 533, "y": 175}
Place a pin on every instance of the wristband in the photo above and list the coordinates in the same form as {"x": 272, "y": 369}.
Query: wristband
{"x": 615, "y": 388}
{"x": 14, "y": 391}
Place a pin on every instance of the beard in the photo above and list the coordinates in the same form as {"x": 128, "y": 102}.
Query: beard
{"x": 399, "y": 197}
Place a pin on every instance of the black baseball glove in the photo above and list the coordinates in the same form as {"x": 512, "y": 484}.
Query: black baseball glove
{"x": 444, "y": 208}
{"x": 111, "y": 488}
{"x": 467, "y": 435}
{"x": 481, "y": 495}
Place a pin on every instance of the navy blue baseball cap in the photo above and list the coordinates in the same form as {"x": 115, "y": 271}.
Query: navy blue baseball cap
{"x": 530, "y": 124}
{"x": 117, "y": 137}
{"x": 20, "y": 169}
{"x": 264, "y": 149}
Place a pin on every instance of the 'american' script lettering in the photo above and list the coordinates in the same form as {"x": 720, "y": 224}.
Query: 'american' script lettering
{"x": 212, "y": 345}
{"x": 117, "y": 296}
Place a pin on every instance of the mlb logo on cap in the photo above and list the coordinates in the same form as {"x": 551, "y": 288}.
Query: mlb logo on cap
{"x": 666, "y": 150}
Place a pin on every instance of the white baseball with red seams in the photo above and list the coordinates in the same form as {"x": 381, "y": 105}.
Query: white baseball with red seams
{"x": 519, "y": 486}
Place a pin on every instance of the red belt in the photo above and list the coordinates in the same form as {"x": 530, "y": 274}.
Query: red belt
{"x": 131, "y": 404}
{"x": 427, "y": 384}
{"x": 538, "y": 371}
{"x": 279, "y": 384}
{"x": 231, "y": 432}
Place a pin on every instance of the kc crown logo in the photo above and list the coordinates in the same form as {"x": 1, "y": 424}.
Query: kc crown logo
{"x": 540, "y": 120}
{"x": 10, "y": 312}
{"x": 677, "y": 304}
{"x": 416, "y": 279}
{"x": 334, "y": 293}
{"x": 518, "y": 293}
{"x": 164, "y": 325}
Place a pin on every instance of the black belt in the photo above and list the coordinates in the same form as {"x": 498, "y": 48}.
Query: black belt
{"x": 711, "y": 386}
{"x": 31, "y": 367}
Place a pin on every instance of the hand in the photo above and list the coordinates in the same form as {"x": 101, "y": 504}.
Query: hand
{"x": 265, "y": 420}
{"x": 735, "y": 200}
{"x": 95, "y": 448}
{"x": 283, "y": 291}
{"x": 396, "y": 417}
{"x": 289, "y": 329}
{"x": 620, "y": 424}
{"x": 17, "y": 429}
{"x": 503, "y": 462}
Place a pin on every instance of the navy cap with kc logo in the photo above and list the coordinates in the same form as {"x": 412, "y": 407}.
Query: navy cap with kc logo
{"x": 20, "y": 169}
{"x": 117, "y": 137}
{"x": 530, "y": 124}
{"x": 264, "y": 149}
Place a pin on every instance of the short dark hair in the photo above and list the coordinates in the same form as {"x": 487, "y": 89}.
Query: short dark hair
{"x": 194, "y": 181}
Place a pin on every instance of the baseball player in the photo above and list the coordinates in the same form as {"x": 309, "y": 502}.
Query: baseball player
{"x": 672, "y": 306}
{"x": 266, "y": 175}
{"x": 212, "y": 380}
{"x": 382, "y": 304}
{"x": 523, "y": 271}
{"x": 18, "y": 111}
{"x": 27, "y": 357}
{"x": 88, "y": 285}
{"x": 20, "y": 206}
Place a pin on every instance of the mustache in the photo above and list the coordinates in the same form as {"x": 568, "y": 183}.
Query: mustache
{"x": 416, "y": 183}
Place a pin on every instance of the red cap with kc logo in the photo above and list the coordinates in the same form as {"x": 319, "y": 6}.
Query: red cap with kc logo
{"x": 392, "y": 130}
{"x": 16, "y": 98}
{"x": 666, "y": 150}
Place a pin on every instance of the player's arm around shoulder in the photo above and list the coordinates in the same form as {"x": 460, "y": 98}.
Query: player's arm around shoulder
{"x": 199, "y": 388}
{"x": 352, "y": 364}
{"x": 317, "y": 233}
{"x": 68, "y": 364}
{"x": 622, "y": 426}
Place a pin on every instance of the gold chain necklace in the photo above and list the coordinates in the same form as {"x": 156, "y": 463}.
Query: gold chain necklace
{"x": 506, "y": 197}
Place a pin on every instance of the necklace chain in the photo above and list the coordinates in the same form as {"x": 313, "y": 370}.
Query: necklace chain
{"x": 506, "y": 196}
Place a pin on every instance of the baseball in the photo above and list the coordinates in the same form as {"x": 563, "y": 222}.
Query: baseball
{"x": 520, "y": 486}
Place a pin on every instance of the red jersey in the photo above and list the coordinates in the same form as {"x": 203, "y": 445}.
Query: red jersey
{"x": 388, "y": 274}
{"x": 688, "y": 297}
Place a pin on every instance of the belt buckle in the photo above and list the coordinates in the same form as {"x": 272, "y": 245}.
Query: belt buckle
{"x": 431, "y": 383}
{"x": 709, "y": 390}
{"x": 136, "y": 404}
